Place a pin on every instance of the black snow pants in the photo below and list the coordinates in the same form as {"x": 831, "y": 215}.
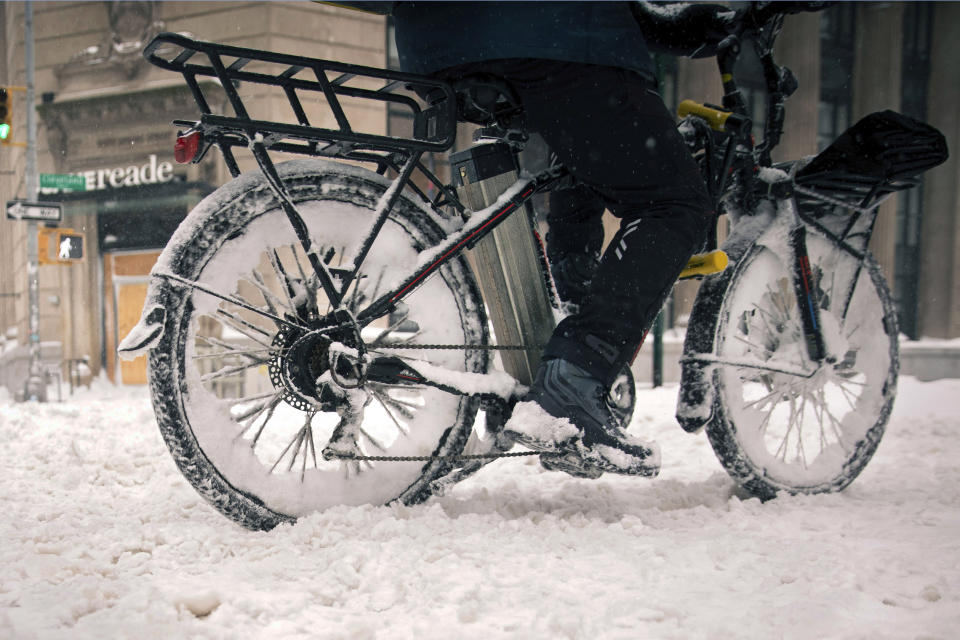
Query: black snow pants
{"x": 610, "y": 128}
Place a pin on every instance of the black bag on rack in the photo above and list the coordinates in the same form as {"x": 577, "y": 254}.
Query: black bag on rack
{"x": 882, "y": 147}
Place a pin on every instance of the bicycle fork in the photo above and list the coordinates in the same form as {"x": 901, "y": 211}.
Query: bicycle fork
{"x": 807, "y": 301}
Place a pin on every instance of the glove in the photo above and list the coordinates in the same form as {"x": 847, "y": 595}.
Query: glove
{"x": 688, "y": 29}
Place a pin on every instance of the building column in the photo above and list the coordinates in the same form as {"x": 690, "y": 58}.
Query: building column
{"x": 940, "y": 235}
{"x": 877, "y": 72}
{"x": 798, "y": 49}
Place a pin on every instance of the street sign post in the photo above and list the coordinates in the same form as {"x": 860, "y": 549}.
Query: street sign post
{"x": 63, "y": 182}
{"x": 42, "y": 211}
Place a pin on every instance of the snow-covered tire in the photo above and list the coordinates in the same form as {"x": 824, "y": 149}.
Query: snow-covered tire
{"x": 225, "y": 245}
{"x": 776, "y": 431}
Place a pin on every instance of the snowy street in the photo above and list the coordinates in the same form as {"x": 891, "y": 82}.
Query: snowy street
{"x": 102, "y": 538}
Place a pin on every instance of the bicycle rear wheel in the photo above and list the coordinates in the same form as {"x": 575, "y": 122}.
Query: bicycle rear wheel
{"x": 780, "y": 422}
{"x": 246, "y": 403}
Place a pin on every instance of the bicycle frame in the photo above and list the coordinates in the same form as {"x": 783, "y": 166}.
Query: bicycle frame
{"x": 376, "y": 244}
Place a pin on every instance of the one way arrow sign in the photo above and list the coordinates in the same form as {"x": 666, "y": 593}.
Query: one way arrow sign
{"x": 45, "y": 211}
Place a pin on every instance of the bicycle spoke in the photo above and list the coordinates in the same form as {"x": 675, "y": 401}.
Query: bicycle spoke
{"x": 781, "y": 451}
{"x": 766, "y": 420}
{"x": 740, "y": 364}
{"x": 764, "y": 319}
{"x": 309, "y": 290}
{"x": 283, "y": 279}
{"x": 272, "y": 301}
{"x": 226, "y": 298}
{"x": 297, "y": 443}
{"x": 412, "y": 406}
{"x": 244, "y": 327}
{"x": 754, "y": 345}
{"x": 818, "y": 414}
{"x": 853, "y": 331}
{"x": 330, "y": 255}
{"x": 848, "y": 395}
{"x": 380, "y": 398}
{"x": 226, "y": 372}
{"x": 845, "y": 381}
{"x": 376, "y": 443}
{"x": 834, "y": 422}
{"x": 263, "y": 425}
{"x": 775, "y": 392}
{"x": 248, "y": 353}
{"x": 801, "y": 451}
{"x": 249, "y": 418}
{"x": 380, "y": 340}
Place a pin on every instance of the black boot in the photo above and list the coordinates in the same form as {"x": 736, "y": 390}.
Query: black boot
{"x": 583, "y": 438}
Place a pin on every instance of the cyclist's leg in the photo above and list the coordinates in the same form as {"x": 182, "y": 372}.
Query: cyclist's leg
{"x": 614, "y": 133}
{"x": 574, "y": 240}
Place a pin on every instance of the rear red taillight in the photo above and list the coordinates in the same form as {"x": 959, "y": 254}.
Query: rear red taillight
{"x": 187, "y": 147}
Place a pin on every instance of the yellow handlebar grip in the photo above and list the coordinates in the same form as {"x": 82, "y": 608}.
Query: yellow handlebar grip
{"x": 703, "y": 264}
{"x": 716, "y": 118}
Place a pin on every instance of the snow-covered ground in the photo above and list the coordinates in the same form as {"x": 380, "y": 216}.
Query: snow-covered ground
{"x": 100, "y": 537}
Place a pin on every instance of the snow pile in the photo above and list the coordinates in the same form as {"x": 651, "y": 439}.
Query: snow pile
{"x": 102, "y": 538}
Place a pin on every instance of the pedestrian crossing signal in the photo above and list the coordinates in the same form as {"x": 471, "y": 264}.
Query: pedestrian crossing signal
{"x": 70, "y": 246}
{"x": 59, "y": 246}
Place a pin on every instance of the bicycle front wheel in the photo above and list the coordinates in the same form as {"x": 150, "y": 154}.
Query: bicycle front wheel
{"x": 781, "y": 421}
{"x": 242, "y": 380}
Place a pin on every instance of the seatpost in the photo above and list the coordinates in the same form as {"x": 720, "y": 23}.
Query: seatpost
{"x": 506, "y": 261}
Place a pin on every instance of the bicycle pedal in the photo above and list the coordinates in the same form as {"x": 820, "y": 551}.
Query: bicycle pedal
{"x": 605, "y": 458}
{"x": 632, "y": 459}
{"x": 570, "y": 463}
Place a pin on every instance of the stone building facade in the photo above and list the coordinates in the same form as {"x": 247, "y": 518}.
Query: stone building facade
{"x": 105, "y": 114}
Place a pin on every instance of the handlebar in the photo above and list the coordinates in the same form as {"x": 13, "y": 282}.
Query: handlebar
{"x": 718, "y": 119}
{"x": 759, "y": 14}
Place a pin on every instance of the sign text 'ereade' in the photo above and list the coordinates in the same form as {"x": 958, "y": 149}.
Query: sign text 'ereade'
{"x": 131, "y": 176}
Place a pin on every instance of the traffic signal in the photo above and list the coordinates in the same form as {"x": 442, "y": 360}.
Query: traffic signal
{"x": 6, "y": 115}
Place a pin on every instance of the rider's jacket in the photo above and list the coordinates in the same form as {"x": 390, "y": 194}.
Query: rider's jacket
{"x": 437, "y": 35}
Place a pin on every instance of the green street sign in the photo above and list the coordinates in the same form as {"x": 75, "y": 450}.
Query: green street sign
{"x": 63, "y": 181}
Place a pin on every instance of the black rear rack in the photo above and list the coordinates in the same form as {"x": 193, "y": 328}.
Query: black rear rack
{"x": 314, "y": 89}
{"x": 854, "y": 191}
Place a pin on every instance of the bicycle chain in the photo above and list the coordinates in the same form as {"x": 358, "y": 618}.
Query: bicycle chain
{"x": 449, "y": 458}
{"x": 465, "y": 347}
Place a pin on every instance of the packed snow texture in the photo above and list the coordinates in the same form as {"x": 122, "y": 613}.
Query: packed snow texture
{"x": 102, "y": 538}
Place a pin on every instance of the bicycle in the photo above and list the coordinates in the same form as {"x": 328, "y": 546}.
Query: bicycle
{"x": 318, "y": 300}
